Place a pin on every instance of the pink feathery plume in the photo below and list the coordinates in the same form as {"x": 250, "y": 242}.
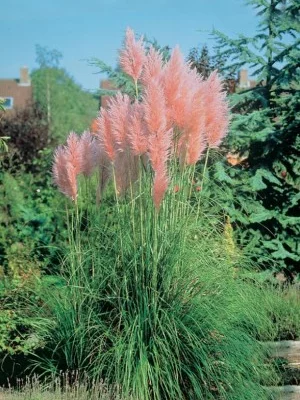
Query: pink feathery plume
{"x": 194, "y": 75}
{"x": 94, "y": 127}
{"x": 132, "y": 56}
{"x": 216, "y": 110}
{"x": 190, "y": 83}
{"x": 193, "y": 87}
{"x": 184, "y": 101}
{"x": 173, "y": 75}
{"x": 154, "y": 106}
{"x": 74, "y": 153}
{"x": 64, "y": 173}
{"x": 160, "y": 139}
{"x": 118, "y": 111}
{"x": 87, "y": 147}
{"x": 126, "y": 171}
{"x": 160, "y": 148}
{"x": 137, "y": 131}
{"x": 192, "y": 143}
{"x": 104, "y": 166}
{"x": 152, "y": 67}
{"x": 160, "y": 186}
{"x": 105, "y": 135}
{"x": 159, "y": 153}
{"x": 174, "y": 78}
{"x": 68, "y": 164}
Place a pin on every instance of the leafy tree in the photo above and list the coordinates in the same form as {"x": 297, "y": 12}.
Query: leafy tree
{"x": 49, "y": 63}
{"x": 67, "y": 106}
{"x": 264, "y": 176}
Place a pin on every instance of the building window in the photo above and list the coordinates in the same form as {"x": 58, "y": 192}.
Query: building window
{"x": 8, "y": 102}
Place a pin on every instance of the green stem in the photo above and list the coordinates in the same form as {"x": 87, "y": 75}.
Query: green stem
{"x": 77, "y": 233}
{"x": 204, "y": 168}
{"x": 155, "y": 253}
{"x": 202, "y": 181}
{"x": 141, "y": 211}
{"x": 119, "y": 214}
{"x": 192, "y": 176}
{"x": 136, "y": 90}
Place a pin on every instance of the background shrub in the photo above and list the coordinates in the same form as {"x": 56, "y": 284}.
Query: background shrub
{"x": 27, "y": 130}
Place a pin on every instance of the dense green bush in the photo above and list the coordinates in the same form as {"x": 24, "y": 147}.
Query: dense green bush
{"x": 28, "y": 223}
{"x": 30, "y": 232}
{"x": 27, "y": 131}
{"x": 200, "y": 324}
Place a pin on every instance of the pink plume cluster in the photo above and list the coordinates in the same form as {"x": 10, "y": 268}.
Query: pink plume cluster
{"x": 177, "y": 115}
{"x": 174, "y": 80}
{"x": 68, "y": 163}
{"x": 216, "y": 115}
{"x": 64, "y": 173}
{"x": 153, "y": 65}
{"x": 159, "y": 138}
{"x": 154, "y": 107}
{"x": 78, "y": 156}
{"x": 137, "y": 131}
{"x": 88, "y": 153}
{"x": 132, "y": 56}
{"x": 106, "y": 138}
{"x": 118, "y": 115}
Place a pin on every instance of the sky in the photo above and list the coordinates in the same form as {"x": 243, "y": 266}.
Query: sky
{"x": 85, "y": 29}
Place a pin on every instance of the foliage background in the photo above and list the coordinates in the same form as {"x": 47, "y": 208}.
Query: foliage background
{"x": 66, "y": 105}
{"x": 263, "y": 179}
{"x": 260, "y": 195}
{"x": 32, "y": 234}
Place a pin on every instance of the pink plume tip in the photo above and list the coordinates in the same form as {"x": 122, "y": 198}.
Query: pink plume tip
{"x": 155, "y": 108}
{"x": 216, "y": 110}
{"x": 132, "y": 57}
{"x": 118, "y": 111}
{"x": 137, "y": 132}
{"x": 64, "y": 173}
{"x": 105, "y": 134}
{"x": 87, "y": 148}
{"x": 152, "y": 67}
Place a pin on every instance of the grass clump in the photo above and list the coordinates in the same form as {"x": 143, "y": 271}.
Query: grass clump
{"x": 287, "y": 315}
{"x": 153, "y": 299}
{"x": 157, "y": 305}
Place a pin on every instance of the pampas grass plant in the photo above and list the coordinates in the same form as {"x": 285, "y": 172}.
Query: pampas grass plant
{"x": 153, "y": 301}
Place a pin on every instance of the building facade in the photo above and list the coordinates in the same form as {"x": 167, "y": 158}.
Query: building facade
{"x": 16, "y": 93}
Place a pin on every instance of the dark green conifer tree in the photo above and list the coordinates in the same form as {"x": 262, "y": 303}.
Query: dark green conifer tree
{"x": 201, "y": 60}
{"x": 264, "y": 183}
